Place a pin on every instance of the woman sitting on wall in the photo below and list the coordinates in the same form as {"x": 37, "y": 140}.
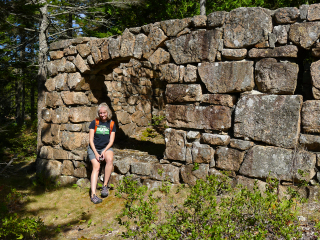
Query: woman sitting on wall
{"x": 101, "y": 137}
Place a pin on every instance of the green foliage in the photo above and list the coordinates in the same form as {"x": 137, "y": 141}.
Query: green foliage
{"x": 157, "y": 120}
{"x": 19, "y": 141}
{"x": 12, "y": 226}
{"x": 148, "y": 133}
{"x": 140, "y": 208}
{"x": 139, "y": 13}
{"x": 212, "y": 210}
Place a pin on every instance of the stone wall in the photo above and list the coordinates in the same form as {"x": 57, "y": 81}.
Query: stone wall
{"x": 240, "y": 91}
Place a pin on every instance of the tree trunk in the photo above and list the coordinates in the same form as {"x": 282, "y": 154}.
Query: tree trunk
{"x": 42, "y": 61}
{"x": 18, "y": 96}
{"x": 203, "y": 7}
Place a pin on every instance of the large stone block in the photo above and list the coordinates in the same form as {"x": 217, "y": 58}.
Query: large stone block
{"x": 80, "y": 172}
{"x": 199, "y": 117}
{"x": 141, "y": 168}
{"x": 105, "y": 50}
{"x": 66, "y": 180}
{"x": 52, "y": 69}
{"x": 225, "y": 77}
{"x": 82, "y": 114}
{"x": 215, "y": 139}
{"x": 49, "y": 168}
{"x": 183, "y": 93}
{"x": 60, "y": 115}
{"x": 281, "y": 33}
{"x": 164, "y": 172}
{"x": 154, "y": 40}
{"x": 56, "y": 55}
{"x": 314, "y": 12}
{"x": 286, "y": 15}
{"x": 123, "y": 117}
{"x": 170, "y": 73}
{"x": 311, "y": 116}
{"x": 50, "y": 134}
{"x": 304, "y": 34}
{"x": 241, "y": 144}
{"x": 172, "y": 27}
{"x": 175, "y": 144}
{"x": 114, "y": 47}
{"x": 84, "y": 50}
{"x": 228, "y": 158}
{"x": 246, "y": 27}
{"x": 219, "y": 99}
{"x": 123, "y": 166}
{"x": 139, "y": 44}
{"x": 279, "y": 163}
{"x": 59, "y": 154}
{"x": 47, "y": 114}
{"x": 289, "y": 51}
{"x": 311, "y": 142}
{"x": 61, "y": 82}
{"x": 70, "y": 67}
{"x": 127, "y": 44}
{"x": 53, "y": 99}
{"x": 202, "y": 153}
{"x": 216, "y": 19}
{"x": 273, "y": 119}
{"x": 81, "y": 64}
{"x": 46, "y": 152}
{"x": 190, "y": 74}
{"x": 96, "y": 54}
{"x": 74, "y": 140}
{"x": 234, "y": 54}
{"x": 67, "y": 168}
{"x": 71, "y": 98}
{"x": 160, "y": 56}
{"x": 315, "y": 74}
{"x": 195, "y": 47}
{"x": 128, "y": 129}
{"x": 276, "y": 78}
{"x": 75, "y": 81}
{"x": 190, "y": 174}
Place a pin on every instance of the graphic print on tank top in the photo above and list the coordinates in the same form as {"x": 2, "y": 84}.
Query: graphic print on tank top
{"x": 101, "y": 129}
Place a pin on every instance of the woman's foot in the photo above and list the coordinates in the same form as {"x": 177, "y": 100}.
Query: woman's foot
{"x": 95, "y": 199}
{"x": 104, "y": 191}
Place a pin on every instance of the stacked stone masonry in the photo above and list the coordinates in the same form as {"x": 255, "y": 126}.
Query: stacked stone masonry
{"x": 240, "y": 91}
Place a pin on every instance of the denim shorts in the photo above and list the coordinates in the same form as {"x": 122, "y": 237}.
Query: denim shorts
{"x": 91, "y": 153}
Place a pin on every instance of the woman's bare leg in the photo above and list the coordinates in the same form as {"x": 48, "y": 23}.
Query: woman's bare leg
{"x": 108, "y": 156}
{"x": 94, "y": 175}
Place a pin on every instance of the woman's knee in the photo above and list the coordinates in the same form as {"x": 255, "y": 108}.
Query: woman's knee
{"x": 95, "y": 165}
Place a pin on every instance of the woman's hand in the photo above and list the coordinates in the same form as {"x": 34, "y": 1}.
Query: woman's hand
{"x": 101, "y": 157}
{"x": 97, "y": 156}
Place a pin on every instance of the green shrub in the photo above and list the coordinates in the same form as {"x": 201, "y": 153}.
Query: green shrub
{"x": 212, "y": 210}
{"x": 12, "y": 226}
{"x": 19, "y": 140}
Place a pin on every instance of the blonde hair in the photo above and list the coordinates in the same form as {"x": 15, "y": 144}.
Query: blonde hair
{"x": 104, "y": 105}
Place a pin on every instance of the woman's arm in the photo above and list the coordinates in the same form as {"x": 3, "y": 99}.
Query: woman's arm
{"x": 91, "y": 135}
{"x": 112, "y": 136}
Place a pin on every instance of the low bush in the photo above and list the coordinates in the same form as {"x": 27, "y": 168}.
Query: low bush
{"x": 212, "y": 210}
{"x": 12, "y": 226}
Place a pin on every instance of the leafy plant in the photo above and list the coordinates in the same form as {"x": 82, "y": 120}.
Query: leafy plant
{"x": 14, "y": 226}
{"x": 212, "y": 210}
{"x": 157, "y": 120}
{"x": 149, "y": 133}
